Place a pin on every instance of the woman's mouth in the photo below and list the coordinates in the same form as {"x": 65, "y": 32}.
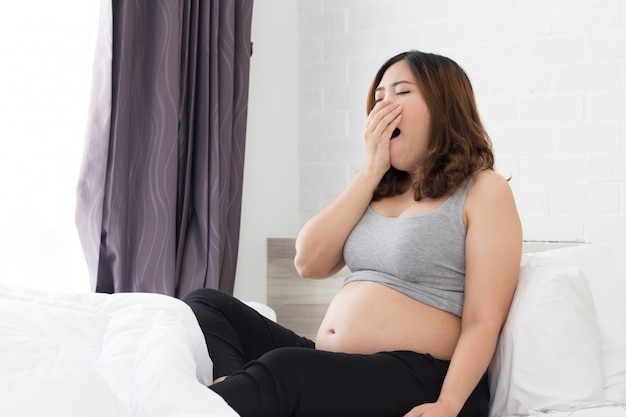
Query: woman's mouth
{"x": 396, "y": 133}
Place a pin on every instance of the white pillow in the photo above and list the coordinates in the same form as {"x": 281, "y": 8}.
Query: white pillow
{"x": 549, "y": 352}
{"x": 604, "y": 265}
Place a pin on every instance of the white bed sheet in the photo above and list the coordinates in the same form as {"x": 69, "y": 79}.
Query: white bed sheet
{"x": 594, "y": 409}
{"x": 102, "y": 355}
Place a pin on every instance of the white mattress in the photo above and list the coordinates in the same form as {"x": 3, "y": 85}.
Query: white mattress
{"x": 102, "y": 355}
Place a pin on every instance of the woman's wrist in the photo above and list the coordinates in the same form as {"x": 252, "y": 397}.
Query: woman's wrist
{"x": 372, "y": 174}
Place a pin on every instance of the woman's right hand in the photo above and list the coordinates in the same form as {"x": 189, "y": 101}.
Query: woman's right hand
{"x": 380, "y": 124}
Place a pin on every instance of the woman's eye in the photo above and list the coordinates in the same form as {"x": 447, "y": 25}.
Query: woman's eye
{"x": 399, "y": 93}
{"x": 378, "y": 100}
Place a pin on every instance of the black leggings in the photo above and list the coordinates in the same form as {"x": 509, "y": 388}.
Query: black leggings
{"x": 273, "y": 372}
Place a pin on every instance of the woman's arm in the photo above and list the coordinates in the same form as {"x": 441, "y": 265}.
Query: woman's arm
{"x": 319, "y": 245}
{"x": 493, "y": 253}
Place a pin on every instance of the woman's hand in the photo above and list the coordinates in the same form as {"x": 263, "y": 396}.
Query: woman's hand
{"x": 380, "y": 124}
{"x": 432, "y": 410}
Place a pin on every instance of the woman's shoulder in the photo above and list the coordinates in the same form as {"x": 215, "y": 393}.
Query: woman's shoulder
{"x": 490, "y": 208}
{"x": 488, "y": 178}
{"x": 489, "y": 187}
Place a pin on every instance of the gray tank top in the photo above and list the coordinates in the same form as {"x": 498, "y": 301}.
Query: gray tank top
{"x": 420, "y": 256}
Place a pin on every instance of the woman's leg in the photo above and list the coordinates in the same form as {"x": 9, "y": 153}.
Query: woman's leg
{"x": 306, "y": 382}
{"x": 236, "y": 333}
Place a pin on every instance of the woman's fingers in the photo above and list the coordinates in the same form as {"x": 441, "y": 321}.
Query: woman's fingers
{"x": 380, "y": 124}
{"x": 383, "y": 119}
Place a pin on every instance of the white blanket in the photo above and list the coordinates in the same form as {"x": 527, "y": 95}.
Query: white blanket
{"x": 102, "y": 355}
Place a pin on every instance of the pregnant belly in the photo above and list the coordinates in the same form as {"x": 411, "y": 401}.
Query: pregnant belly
{"x": 367, "y": 317}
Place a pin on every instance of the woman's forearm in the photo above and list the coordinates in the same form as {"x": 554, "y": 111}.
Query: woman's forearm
{"x": 469, "y": 363}
{"x": 319, "y": 245}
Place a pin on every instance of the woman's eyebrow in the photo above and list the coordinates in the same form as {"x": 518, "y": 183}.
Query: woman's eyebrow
{"x": 395, "y": 84}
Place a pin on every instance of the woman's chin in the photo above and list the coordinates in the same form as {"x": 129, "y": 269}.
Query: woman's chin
{"x": 402, "y": 164}
{"x": 398, "y": 159}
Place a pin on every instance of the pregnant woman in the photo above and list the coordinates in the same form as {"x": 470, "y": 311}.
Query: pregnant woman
{"x": 432, "y": 238}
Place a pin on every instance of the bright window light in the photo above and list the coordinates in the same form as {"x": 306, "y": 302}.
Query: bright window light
{"x": 47, "y": 52}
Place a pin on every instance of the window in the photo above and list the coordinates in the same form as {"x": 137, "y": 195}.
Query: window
{"x": 45, "y": 79}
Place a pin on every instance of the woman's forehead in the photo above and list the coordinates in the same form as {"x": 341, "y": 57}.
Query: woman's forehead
{"x": 399, "y": 71}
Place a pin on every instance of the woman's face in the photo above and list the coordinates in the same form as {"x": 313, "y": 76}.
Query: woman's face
{"x": 408, "y": 148}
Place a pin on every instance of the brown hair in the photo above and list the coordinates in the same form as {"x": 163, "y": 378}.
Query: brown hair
{"x": 458, "y": 145}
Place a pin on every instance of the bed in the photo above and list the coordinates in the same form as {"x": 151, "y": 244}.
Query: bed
{"x": 102, "y": 355}
{"x": 562, "y": 351}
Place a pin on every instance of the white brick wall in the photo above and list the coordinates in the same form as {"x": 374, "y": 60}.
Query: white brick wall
{"x": 549, "y": 76}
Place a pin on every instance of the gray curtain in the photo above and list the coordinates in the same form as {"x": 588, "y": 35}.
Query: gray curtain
{"x": 159, "y": 194}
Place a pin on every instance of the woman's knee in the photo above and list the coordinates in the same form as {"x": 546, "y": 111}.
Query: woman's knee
{"x": 206, "y": 296}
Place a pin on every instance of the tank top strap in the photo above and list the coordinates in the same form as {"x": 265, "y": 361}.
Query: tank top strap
{"x": 457, "y": 199}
